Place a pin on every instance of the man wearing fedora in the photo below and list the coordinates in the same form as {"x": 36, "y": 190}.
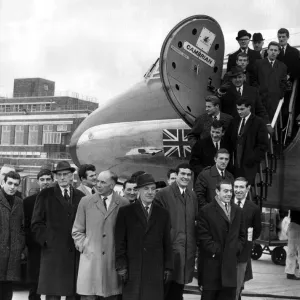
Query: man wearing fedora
{"x": 143, "y": 246}
{"x": 258, "y": 43}
{"x": 52, "y": 222}
{"x": 243, "y": 39}
{"x": 230, "y": 93}
{"x": 181, "y": 203}
{"x": 93, "y": 234}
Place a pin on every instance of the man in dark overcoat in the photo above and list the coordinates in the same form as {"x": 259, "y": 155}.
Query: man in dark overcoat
{"x": 204, "y": 151}
{"x": 252, "y": 224}
{"x": 243, "y": 38}
{"x": 52, "y": 222}
{"x": 44, "y": 180}
{"x": 12, "y": 237}
{"x": 143, "y": 246}
{"x": 181, "y": 203}
{"x": 248, "y": 135}
{"x": 202, "y": 125}
{"x": 205, "y": 186}
{"x": 271, "y": 76}
{"x": 221, "y": 238}
{"x": 238, "y": 88}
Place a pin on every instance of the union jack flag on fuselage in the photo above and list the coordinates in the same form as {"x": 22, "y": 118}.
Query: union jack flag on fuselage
{"x": 175, "y": 143}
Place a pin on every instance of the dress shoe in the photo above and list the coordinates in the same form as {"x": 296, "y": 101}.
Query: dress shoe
{"x": 292, "y": 276}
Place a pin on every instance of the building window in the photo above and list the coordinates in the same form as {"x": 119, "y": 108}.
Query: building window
{"x": 62, "y": 127}
{"x": 51, "y": 138}
{"x": 33, "y": 135}
{"x": 47, "y": 128}
{"x": 46, "y": 87}
{"x": 19, "y": 135}
{"x": 5, "y": 138}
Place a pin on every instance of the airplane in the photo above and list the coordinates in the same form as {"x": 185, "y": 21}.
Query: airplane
{"x": 145, "y": 128}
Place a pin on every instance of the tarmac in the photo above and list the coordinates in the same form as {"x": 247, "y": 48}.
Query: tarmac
{"x": 269, "y": 283}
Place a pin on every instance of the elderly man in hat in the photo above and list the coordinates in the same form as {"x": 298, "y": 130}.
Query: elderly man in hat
{"x": 143, "y": 246}
{"x": 44, "y": 180}
{"x": 258, "y": 43}
{"x": 93, "y": 233}
{"x": 230, "y": 92}
{"x": 243, "y": 39}
{"x": 52, "y": 223}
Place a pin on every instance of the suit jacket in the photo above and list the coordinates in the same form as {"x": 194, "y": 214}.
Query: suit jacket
{"x": 34, "y": 249}
{"x": 291, "y": 58}
{"x": 248, "y": 149}
{"x": 94, "y": 236}
{"x": 83, "y": 189}
{"x": 203, "y": 153}
{"x": 271, "y": 82}
{"x": 221, "y": 241}
{"x": 201, "y": 127}
{"x": 143, "y": 247}
{"x": 252, "y": 54}
{"x": 205, "y": 187}
{"x": 183, "y": 212}
{"x": 228, "y": 102}
{"x": 52, "y": 223}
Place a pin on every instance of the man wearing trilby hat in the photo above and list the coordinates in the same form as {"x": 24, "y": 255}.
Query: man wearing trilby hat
{"x": 258, "y": 43}
{"x": 143, "y": 246}
{"x": 52, "y": 222}
{"x": 243, "y": 39}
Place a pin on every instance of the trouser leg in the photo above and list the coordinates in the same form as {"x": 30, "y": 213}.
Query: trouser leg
{"x": 52, "y": 297}
{"x": 174, "y": 291}
{"x": 209, "y": 295}
{"x": 227, "y": 294}
{"x": 241, "y": 271}
{"x": 33, "y": 292}
{"x": 293, "y": 247}
{"x": 6, "y": 291}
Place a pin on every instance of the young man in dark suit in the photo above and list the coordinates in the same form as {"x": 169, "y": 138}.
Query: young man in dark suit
{"x": 143, "y": 244}
{"x": 205, "y": 186}
{"x": 202, "y": 125}
{"x": 204, "y": 151}
{"x": 271, "y": 77}
{"x": 248, "y": 136}
{"x": 243, "y": 39}
{"x": 221, "y": 238}
{"x": 44, "y": 180}
{"x": 181, "y": 203}
{"x": 252, "y": 225}
{"x": 229, "y": 93}
{"x": 52, "y": 221}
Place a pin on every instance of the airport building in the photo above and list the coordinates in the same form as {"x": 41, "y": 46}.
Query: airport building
{"x": 36, "y": 123}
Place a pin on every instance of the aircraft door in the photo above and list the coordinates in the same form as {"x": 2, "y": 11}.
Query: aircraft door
{"x": 191, "y": 59}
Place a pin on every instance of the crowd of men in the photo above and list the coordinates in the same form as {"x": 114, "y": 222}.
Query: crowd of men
{"x": 91, "y": 243}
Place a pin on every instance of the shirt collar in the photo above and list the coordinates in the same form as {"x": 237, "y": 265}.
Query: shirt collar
{"x": 63, "y": 189}
{"x": 271, "y": 61}
{"x": 181, "y": 189}
{"x": 246, "y": 118}
{"x": 220, "y": 171}
{"x": 242, "y": 202}
{"x": 221, "y": 202}
{"x": 241, "y": 88}
{"x": 218, "y": 116}
{"x": 108, "y": 197}
{"x": 244, "y": 50}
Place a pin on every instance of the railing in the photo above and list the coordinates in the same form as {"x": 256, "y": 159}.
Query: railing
{"x": 269, "y": 165}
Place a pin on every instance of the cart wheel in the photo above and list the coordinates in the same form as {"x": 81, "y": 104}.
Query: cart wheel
{"x": 278, "y": 256}
{"x": 256, "y": 252}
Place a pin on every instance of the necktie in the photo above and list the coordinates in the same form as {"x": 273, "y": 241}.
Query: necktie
{"x": 147, "y": 210}
{"x": 242, "y": 127}
{"x": 239, "y": 203}
{"x": 66, "y": 195}
{"x": 93, "y": 191}
{"x": 222, "y": 172}
{"x": 104, "y": 202}
{"x": 217, "y": 145}
{"x": 272, "y": 64}
{"x": 282, "y": 50}
{"x": 226, "y": 207}
{"x": 239, "y": 91}
{"x": 214, "y": 117}
{"x": 182, "y": 194}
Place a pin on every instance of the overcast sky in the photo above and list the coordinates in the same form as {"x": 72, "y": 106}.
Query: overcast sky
{"x": 101, "y": 47}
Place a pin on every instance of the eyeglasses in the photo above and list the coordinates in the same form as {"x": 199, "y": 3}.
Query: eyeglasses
{"x": 244, "y": 40}
{"x": 63, "y": 174}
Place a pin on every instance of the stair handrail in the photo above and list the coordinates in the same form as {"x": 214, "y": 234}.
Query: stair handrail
{"x": 291, "y": 118}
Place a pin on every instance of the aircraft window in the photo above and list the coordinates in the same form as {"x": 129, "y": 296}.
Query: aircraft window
{"x": 217, "y": 46}
{"x": 194, "y": 32}
{"x": 153, "y": 71}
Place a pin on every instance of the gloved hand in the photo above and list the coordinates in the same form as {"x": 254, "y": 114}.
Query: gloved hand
{"x": 224, "y": 87}
{"x": 167, "y": 276}
{"x": 124, "y": 275}
{"x": 270, "y": 129}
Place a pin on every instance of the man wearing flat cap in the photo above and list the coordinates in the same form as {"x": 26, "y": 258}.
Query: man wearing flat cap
{"x": 258, "y": 43}
{"x": 143, "y": 246}
{"x": 52, "y": 222}
{"x": 243, "y": 39}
